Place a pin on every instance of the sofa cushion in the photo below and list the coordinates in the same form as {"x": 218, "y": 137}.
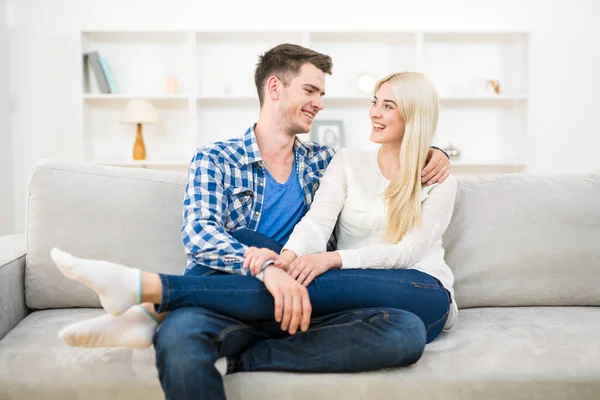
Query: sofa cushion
{"x": 522, "y": 240}
{"x": 493, "y": 353}
{"x": 129, "y": 216}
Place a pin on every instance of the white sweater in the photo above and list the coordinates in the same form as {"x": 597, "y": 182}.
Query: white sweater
{"x": 350, "y": 199}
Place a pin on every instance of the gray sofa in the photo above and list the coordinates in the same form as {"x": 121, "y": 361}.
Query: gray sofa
{"x": 525, "y": 251}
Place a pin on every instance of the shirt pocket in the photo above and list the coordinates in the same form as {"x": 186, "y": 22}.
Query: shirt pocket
{"x": 239, "y": 205}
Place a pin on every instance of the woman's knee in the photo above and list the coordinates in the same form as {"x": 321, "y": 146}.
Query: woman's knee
{"x": 405, "y": 339}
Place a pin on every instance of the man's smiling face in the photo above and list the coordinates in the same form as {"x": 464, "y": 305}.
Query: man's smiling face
{"x": 302, "y": 99}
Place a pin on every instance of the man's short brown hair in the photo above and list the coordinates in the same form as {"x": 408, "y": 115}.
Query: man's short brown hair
{"x": 284, "y": 61}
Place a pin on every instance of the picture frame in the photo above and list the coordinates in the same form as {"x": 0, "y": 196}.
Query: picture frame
{"x": 329, "y": 133}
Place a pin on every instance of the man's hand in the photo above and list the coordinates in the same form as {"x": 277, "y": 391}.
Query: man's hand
{"x": 285, "y": 259}
{"x": 254, "y": 258}
{"x": 306, "y": 268}
{"x": 437, "y": 168}
{"x": 292, "y": 305}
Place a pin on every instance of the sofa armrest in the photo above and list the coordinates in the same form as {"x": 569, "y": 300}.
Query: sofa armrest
{"x": 13, "y": 249}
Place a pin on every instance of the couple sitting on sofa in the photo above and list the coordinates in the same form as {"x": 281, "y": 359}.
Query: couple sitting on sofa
{"x": 256, "y": 232}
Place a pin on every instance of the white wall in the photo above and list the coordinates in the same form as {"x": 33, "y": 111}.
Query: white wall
{"x": 565, "y": 38}
{"x": 7, "y": 205}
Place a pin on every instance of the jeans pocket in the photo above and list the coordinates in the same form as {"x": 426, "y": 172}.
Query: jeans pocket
{"x": 433, "y": 286}
{"x": 427, "y": 285}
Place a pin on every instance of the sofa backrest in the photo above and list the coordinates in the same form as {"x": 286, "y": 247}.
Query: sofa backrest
{"x": 125, "y": 215}
{"x": 514, "y": 240}
{"x": 524, "y": 240}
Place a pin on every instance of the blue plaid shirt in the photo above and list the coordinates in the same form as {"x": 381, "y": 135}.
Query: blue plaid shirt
{"x": 225, "y": 192}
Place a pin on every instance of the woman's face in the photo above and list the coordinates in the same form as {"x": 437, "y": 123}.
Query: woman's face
{"x": 387, "y": 125}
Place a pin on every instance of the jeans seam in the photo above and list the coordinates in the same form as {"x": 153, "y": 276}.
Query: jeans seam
{"x": 385, "y": 313}
{"x": 325, "y": 327}
{"x": 433, "y": 324}
{"x": 231, "y": 329}
{"x": 234, "y": 328}
{"x": 166, "y": 293}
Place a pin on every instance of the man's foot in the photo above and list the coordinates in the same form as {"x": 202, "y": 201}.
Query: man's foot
{"x": 119, "y": 287}
{"x": 134, "y": 329}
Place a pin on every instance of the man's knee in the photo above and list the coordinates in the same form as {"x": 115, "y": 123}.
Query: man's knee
{"x": 184, "y": 340}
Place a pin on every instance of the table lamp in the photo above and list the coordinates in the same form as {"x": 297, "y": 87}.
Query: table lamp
{"x": 139, "y": 112}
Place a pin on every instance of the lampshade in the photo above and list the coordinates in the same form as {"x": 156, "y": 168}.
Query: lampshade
{"x": 139, "y": 111}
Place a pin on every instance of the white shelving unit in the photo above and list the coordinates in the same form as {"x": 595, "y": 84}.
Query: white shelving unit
{"x": 217, "y": 97}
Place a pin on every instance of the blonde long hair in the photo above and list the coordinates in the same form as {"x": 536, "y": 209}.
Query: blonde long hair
{"x": 418, "y": 102}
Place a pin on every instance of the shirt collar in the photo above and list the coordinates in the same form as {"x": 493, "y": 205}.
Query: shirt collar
{"x": 253, "y": 152}
{"x": 251, "y": 146}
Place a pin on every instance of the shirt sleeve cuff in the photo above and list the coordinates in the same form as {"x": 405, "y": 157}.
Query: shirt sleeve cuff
{"x": 261, "y": 275}
{"x": 296, "y": 247}
{"x": 350, "y": 258}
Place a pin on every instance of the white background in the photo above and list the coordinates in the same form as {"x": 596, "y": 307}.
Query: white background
{"x": 564, "y": 79}
{"x": 7, "y": 197}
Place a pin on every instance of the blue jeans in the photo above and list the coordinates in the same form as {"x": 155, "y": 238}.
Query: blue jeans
{"x": 362, "y": 320}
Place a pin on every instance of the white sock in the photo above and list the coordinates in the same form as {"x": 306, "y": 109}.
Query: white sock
{"x": 134, "y": 328}
{"x": 119, "y": 287}
{"x": 221, "y": 365}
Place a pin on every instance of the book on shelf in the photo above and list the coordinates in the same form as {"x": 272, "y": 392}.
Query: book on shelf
{"x": 112, "y": 85}
{"x": 100, "y": 69}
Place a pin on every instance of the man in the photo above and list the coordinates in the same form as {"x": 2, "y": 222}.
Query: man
{"x": 265, "y": 182}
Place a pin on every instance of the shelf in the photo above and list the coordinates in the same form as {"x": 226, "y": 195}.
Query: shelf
{"x": 248, "y": 37}
{"x": 217, "y": 98}
{"x": 442, "y": 98}
{"x": 475, "y": 36}
{"x": 482, "y": 101}
{"x": 483, "y": 98}
{"x": 357, "y": 100}
{"x": 109, "y": 96}
{"x": 254, "y": 98}
{"x": 141, "y": 163}
{"x": 352, "y": 97}
{"x": 486, "y": 163}
{"x": 227, "y": 100}
{"x": 353, "y": 37}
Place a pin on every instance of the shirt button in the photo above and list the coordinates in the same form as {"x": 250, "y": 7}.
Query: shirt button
{"x": 257, "y": 213}
{"x": 261, "y": 184}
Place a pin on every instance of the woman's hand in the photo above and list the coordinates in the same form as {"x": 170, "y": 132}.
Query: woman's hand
{"x": 285, "y": 259}
{"x": 255, "y": 258}
{"x": 306, "y": 268}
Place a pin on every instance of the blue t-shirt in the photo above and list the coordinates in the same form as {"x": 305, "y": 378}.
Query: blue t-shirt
{"x": 283, "y": 207}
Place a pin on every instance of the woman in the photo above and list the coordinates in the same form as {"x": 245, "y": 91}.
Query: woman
{"x": 388, "y": 231}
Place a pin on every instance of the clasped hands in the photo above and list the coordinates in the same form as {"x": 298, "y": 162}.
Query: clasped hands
{"x": 286, "y": 279}
{"x": 303, "y": 269}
